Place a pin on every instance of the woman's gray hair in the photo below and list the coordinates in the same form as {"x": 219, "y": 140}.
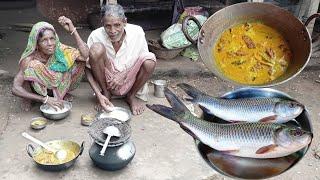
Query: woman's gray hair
{"x": 114, "y": 10}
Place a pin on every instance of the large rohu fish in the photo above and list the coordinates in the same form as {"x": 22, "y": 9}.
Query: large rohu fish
{"x": 255, "y": 140}
{"x": 245, "y": 109}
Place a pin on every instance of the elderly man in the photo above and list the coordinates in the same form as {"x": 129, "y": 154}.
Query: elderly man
{"x": 119, "y": 61}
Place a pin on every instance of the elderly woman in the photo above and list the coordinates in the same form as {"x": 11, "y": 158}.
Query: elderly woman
{"x": 48, "y": 66}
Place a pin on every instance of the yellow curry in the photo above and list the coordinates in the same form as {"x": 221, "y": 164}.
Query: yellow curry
{"x": 252, "y": 53}
{"x": 49, "y": 158}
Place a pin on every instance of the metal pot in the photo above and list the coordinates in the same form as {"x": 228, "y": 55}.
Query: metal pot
{"x": 115, "y": 158}
{"x": 59, "y": 144}
{"x": 250, "y": 168}
{"x": 292, "y": 29}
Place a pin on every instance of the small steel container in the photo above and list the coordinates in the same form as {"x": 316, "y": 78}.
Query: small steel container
{"x": 159, "y": 88}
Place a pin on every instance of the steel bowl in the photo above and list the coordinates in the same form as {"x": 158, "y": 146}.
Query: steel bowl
{"x": 119, "y": 113}
{"x": 250, "y": 168}
{"x": 50, "y": 113}
{"x": 57, "y": 144}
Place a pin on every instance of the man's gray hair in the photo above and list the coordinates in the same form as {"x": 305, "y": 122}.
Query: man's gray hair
{"x": 114, "y": 10}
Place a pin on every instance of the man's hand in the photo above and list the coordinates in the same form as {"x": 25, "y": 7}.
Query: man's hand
{"x": 118, "y": 80}
{"x": 66, "y": 23}
{"x": 55, "y": 103}
{"x": 105, "y": 103}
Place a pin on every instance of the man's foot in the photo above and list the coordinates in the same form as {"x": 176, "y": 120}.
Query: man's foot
{"x": 136, "y": 105}
{"x": 26, "y": 105}
{"x": 68, "y": 97}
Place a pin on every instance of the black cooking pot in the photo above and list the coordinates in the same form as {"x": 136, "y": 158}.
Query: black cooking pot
{"x": 115, "y": 157}
{"x": 58, "y": 144}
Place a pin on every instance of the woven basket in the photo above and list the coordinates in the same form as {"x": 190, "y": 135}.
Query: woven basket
{"x": 162, "y": 52}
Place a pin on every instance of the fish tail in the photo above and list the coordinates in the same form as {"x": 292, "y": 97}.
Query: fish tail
{"x": 191, "y": 91}
{"x": 176, "y": 104}
{"x": 163, "y": 111}
{"x": 173, "y": 113}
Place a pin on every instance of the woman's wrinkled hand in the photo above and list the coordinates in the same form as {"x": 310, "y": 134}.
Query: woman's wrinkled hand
{"x": 55, "y": 103}
{"x": 66, "y": 23}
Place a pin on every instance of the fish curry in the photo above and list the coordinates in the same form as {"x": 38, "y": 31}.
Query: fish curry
{"x": 252, "y": 53}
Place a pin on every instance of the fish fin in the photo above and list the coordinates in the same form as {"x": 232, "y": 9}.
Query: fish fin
{"x": 266, "y": 149}
{"x": 163, "y": 111}
{"x": 189, "y": 99}
{"x": 205, "y": 109}
{"x": 231, "y": 151}
{"x": 268, "y": 119}
{"x": 188, "y": 131}
{"x": 191, "y": 91}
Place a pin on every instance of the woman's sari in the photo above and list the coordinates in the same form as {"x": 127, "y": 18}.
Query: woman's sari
{"x": 61, "y": 73}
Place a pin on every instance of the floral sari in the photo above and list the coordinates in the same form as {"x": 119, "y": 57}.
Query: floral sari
{"x": 61, "y": 73}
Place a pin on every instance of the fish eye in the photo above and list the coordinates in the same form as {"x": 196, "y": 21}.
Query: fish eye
{"x": 295, "y": 132}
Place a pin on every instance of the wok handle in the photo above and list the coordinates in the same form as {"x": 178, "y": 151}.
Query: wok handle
{"x": 184, "y": 27}
{"x": 81, "y": 148}
{"x": 30, "y": 152}
{"x": 316, "y": 15}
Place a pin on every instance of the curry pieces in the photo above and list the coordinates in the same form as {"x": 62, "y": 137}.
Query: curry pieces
{"x": 48, "y": 158}
{"x": 252, "y": 53}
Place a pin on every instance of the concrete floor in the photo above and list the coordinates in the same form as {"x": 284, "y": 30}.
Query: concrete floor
{"x": 164, "y": 150}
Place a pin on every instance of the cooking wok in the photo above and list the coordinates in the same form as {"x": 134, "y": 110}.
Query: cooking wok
{"x": 58, "y": 144}
{"x": 291, "y": 28}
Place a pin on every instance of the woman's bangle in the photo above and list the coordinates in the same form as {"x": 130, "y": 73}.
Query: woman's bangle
{"x": 74, "y": 30}
{"x": 46, "y": 100}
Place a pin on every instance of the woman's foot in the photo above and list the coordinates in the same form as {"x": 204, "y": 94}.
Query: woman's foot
{"x": 137, "y": 106}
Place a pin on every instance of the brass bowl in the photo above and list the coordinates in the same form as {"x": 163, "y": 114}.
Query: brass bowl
{"x": 38, "y": 123}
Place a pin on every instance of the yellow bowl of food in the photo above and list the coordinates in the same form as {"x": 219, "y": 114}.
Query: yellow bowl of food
{"x": 48, "y": 160}
{"x": 38, "y": 123}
